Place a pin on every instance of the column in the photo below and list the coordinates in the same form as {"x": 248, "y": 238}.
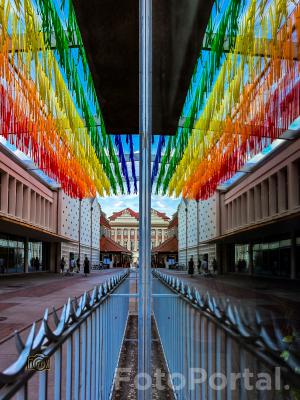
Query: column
{"x": 250, "y": 206}
{"x": 292, "y": 186}
{"x": 26, "y": 203}
{"x": 33, "y": 207}
{"x": 4, "y": 192}
{"x": 273, "y": 195}
{"x": 38, "y": 209}
{"x": 229, "y": 216}
{"x": 265, "y": 198}
{"x": 12, "y": 196}
{"x": 257, "y": 202}
{"x": 282, "y": 193}
{"x": 42, "y": 217}
{"x": 19, "y": 199}
{"x": 145, "y": 122}
{"x": 122, "y": 236}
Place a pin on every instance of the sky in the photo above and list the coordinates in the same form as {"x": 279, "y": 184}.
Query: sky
{"x": 160, "y": 203}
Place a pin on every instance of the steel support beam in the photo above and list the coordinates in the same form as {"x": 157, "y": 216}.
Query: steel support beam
{"x": 145, "y": 123}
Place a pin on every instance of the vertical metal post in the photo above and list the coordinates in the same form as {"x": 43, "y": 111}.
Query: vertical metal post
{"x": 186, "y": 235}
{"x": 197, "y": 231}
{"x": 91, "y": 239}
{"x": 145, "y": 111}
{"x": 79, "y": 231}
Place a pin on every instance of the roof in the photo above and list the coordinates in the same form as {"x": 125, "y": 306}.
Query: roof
{"x": 118, "y": 214}
{"x": 136, "y": 215}
{"x": 168, "y": 246}
{"x": 107, "y": 245}
{"x": 104, "y": 221}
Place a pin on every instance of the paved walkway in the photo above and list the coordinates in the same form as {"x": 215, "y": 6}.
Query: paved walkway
{"x": 23, "y": 299}
{"x": 277, "y": 295}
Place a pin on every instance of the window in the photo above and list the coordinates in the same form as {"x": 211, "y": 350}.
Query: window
{"x": 132, "y": 232}
{"x": 153, "y": 233}
{"x": 159, "y": 232}
{"x": 125, "y": 232}
{"x": 132, "y": 245}
{"x": 125, "y": 244}
{"x": 152, "y": 244}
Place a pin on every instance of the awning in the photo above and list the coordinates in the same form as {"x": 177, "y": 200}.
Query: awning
{"x": 107, "y": 245}
{"x": 9, "y": 225}
{"x": 168, "y": 246}
{"x": 282, "y": 226}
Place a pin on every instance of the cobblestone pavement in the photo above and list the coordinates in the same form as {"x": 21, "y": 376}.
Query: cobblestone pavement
{"x": 23, "y": 299}
{"x": 282, "y": 297}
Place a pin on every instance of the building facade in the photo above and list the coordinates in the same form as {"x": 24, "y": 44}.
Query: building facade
{"x": 258, "y": 226}
{"x": 29, "y": 220}
{"x": 39, "y": 224}
{"x": 125, "y": 229}
{"x": 196, "y": 226}
{"x": 79, "y": 222}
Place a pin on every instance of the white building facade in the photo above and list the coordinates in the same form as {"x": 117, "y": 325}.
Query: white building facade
{"x": 125, "y": 229}
{"x": 196, "y": 226}
{"x": 80, "y": 219}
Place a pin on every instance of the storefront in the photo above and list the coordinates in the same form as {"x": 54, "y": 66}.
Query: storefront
{"x": 13, "y": 255}
{"x": 25, "y": 248}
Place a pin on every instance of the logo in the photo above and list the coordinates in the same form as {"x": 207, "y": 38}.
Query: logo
{"x": 38, "y": 362}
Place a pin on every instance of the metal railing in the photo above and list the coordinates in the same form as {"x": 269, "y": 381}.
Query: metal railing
{"x": 73, "y": 356}
{"x": 208, "y": 341}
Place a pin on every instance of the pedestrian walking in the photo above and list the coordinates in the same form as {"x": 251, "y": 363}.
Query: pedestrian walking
{"x": 78, "y": 265}
{"x": 191, "y": 267}
{"x": 62, "y": 265}
{"x": 86, "y": 266}
{"x": 199, "y": 266}
{"x": 37, "y": 264}
{"x": 215, "y": 265}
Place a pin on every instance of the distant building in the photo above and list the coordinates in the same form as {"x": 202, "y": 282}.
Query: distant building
{"x": 105, "y": 227}
{"x": 196, "y": 227}
{"x": 173, "y": 226}
{"x": 80, "y": 219}
{"x": 125, "y": 229}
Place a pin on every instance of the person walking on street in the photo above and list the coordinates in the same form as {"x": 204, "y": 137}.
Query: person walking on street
{"x": 62, "y": 265}
{"x": 199, "y": 266}
{"x": 191, "y": 266}
{"x": 78, "y": 264}
{"x": 37, "y": 264}
{"x": 86, "y": 266}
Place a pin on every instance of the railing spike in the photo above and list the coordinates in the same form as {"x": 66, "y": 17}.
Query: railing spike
{"x": 19, "y": 343}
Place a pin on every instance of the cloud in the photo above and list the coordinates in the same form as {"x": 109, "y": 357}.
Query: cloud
{"x": 116, "y": 203}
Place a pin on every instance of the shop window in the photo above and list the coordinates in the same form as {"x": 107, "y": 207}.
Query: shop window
{"x": 241, "y": 258}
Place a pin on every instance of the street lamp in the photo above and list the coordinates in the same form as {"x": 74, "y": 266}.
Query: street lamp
{"x": 91, "y": 244}
{"x": 79, "y": 231}
{"x": 186, "y": 232}
{"x": 197, "y": 200}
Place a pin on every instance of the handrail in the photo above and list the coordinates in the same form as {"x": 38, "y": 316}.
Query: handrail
{"x": 74, "y": 312}
{"x": 270, "y": 343}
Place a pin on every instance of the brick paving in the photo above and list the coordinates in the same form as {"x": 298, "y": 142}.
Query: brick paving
{"x": 23, "y": 299}
{"x": 282, "y": 297}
